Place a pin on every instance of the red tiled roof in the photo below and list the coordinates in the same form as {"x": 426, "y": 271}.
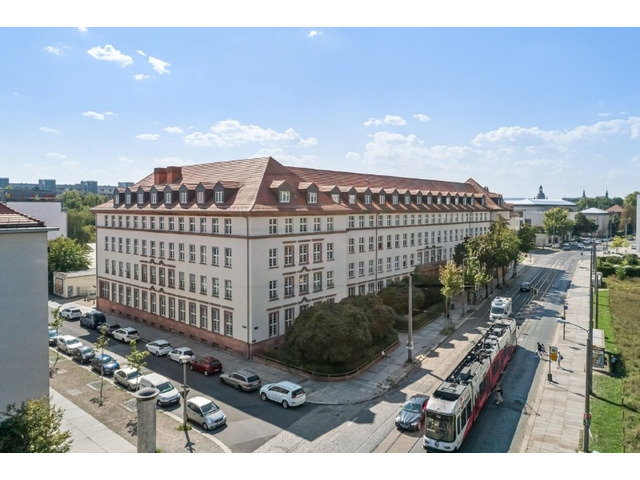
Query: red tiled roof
{"x": 9, "y": 218}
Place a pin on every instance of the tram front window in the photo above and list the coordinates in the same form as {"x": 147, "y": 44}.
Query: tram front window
{"x": 439, "y": 427}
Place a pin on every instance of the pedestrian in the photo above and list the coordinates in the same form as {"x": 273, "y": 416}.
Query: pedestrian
{"x": 612, "y": 363}
{"x": 498, "y": 394}
{"x": 541, "y": 350}
{"x": 559, "y": 359}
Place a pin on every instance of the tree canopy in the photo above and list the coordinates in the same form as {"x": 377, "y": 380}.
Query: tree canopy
{"x": 557, "y": 223}
{"x": 67, "y": 255}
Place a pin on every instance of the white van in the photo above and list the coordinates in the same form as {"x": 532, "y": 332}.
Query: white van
{"x": 168, "y": 393}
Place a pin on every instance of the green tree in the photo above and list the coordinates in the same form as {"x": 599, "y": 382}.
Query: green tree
{"x": 527, "y": 237}
{"x": 100, "y": 345}
{"x": 396, "y": 295}
{"x": 57, "y": 322}
{"x": 556, "y": 223}
{"x": 583, "y": 226}
{"x": 34, "y": 427}
{"x": 619, "y": 242}
{"x": 137, "y": 359}
{"x": 452, "y": 279}
{"x": 66, "y": 255}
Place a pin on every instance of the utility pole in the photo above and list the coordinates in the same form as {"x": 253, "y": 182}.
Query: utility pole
{"x": 410, "y": 333}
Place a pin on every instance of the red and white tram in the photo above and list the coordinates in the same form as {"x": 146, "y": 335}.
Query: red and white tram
{"x": 456, "y": 404}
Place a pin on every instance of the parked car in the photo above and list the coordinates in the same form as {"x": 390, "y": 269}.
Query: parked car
{"x": 108, "y": 328}
{"x": 83, "y": 354}
{"x": 205, "y": 412}
{"x": 128, "y": 377}
{"x": 53, "y": 336}
{"x": 68, "y": 344}
{"x": 105, "y": 364}
{"x": 525, "y": 287}
{"x": 286, "y": 393}
{"x": 206, "y": 365}
{"x": 126, "y": 334}
{"x": 168, "y": 394}
{"x": 93, "y": 319}
{"x": 412, "y": 415}
{"x": 159, "y": 347}
{"x": 176, "y": 353}
{"x": 70, "y": 313}
{"x": 242, "y": 380}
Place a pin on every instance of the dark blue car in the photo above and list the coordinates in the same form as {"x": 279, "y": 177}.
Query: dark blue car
{"x": 105, "y": 364}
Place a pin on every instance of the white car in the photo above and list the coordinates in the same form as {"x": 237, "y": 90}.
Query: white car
{"x": 288, "y": 394}
{"x": 68, "y": 344}
{"x": 205, "y": 412}
{"x": 128, "y": 377}
{"x": 177, "y": 353}
{"x": 126, "y": 334}
{"x": 70, "y": 313}
{"x": 159, "y": 347}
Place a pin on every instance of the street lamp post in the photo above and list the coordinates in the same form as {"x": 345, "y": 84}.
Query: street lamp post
{"x": 184, "y": 359}
{"x": 410, "y": 318}
{"x": 587, "y": 389}
{"x": 464, "y": 280}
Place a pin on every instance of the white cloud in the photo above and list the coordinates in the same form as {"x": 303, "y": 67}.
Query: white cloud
{"x": 140, "y": 76}
{"x": 394, "y": 120}
{"x": 422, "y": 117}
{"x": 352, "y": 156}
{"x": 83, "y": 29}
{"x": 55, "y": 155}
{"x": 140, "y": 52}
{"x": 177, "y": 130}
{"x": 94, "y": 115}
{"x": 372, "y": 122}
{"x": 148, "y": 136}
{"x": 315, "y": 33}
{"x": 388, "y": 120}
{"x": 159, "y": 65}
{"x": 48, "y": 130}
{"x": 54, "y": 50}
{"x": 231, "y": 133}
{"x": 110, "y": 54}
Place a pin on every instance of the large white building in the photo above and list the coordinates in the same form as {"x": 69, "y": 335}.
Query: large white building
{"x": 24, "y": 367}
{"x": 232, "y": 252}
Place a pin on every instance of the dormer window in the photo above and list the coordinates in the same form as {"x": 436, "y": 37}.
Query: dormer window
{"x": 184, "y": 197}
{"x": 312, "y": 197}
{"x": 472, "y": 200}
{"x": 394, "y": 199}
{"x": 367, "y": 199}
{"x": 200, "y": 196}
{"x": 439, "y": 201}
{"x": 456, "y": 200}
{"x": 167, "y": 197}
{"x": 464, "y": 200}
{"x": 140, "y": 198}
{"x": 116, "y": 198}
{"x": 448, "y": 200}
{"x": 154, "y": 197}
{"x": 285, "y": 196}
{"x": 335, "y": 197}
{"x": 352, "y": 198}
{"x": 127, "y": 198}
{"x": 418, "y": 199}
{"x": 407, "y": 199}
{"x": 382, "y": 199}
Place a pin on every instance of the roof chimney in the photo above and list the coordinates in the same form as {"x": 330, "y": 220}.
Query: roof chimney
{"x": 159, "y": 176}
{"x": 174, "y": 174}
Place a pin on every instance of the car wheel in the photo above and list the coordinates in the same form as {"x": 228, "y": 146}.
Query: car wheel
{"x": 205, "y": 426}
{"x": 222, "y": 381}
{"x": 263, "y": 396}
{"x": 239, "y": 387}
{"x": 157, "y": 354}
{"x": 206, "y": 373}
{"x": 190, "y": 367}
{"x": 285, "y": 404}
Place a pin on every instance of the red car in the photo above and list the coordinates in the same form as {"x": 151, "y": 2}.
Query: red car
{"x": 206, "y": 365}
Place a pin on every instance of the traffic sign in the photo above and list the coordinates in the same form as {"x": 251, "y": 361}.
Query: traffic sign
{"x": 553, "y": 354}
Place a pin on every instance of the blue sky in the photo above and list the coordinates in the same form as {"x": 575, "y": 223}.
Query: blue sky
{"x": 512, "y": 108}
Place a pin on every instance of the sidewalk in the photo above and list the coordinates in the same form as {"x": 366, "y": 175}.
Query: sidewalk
{"x": 559, "y": 404}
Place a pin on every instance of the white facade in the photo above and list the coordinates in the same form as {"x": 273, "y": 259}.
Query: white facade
{"x": 51, "y": 213}
{"x": 236, "y": 274}
{"x": 23, "y": 296}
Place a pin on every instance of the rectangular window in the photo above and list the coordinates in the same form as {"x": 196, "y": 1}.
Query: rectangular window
{"x": 303, "y": 225}
{"x": 218, "y": 196}
{"x": 215, "y": 319}
{"x": 144, "y": 247}
{"x": 203, "y": 284}
{"x": 172, "y": 251}
{"x": 303, "y": 256}
{"x": 192, "y": 282}
{"x": 203, "y": 254}
{"x": 227, "y": 226}
{"x": 288, "y": 255}
{"x": 203, "y": 225}
{"x": 204, "y": 321}
{"x": 329, "y": 279}
{"x": 329, "y": 224}
{"x": 330, "y": 251}
{"x": 192, "y": 313}
{"x": 192, "y": 253}
{"x": 273, "y": 226}
{"x": 316, "y": 224}
{"x": 152, "y": 247}
{"x": 215, "y": 226}
{"x": 172, "y": 278}
{"x": 351, "y": 270}
{"x": 228, "y": 323}
{"x": 172, "y": 308}
{"x": 215, "y": 256}
{"x": 172, "y": 224}
{"x": 312, "y": 197}
{"x": 161, "y": 219}
{"x": 228, "y": 293}
{"x": 227, "y": 257}
{"x": 161, "y": 252}
{"x": 215, "y": 287}
{"x": 181, "y": 280}
{"x": 289, "y": 315}
{"x": 361, "y": 244}
{"x": 288, "y": 225}
{"x": 285, "y": 196}
{"x": 303, "y": 284}
{"x": 181, "y": 252}
{"x": 192, "y": 224}
{"x": 273, "y": 257}
{"x": 273, "y": 289}
{"x": 152, "y": 223}
{"x": 317, "y": 252}
{"x": 288, "y": 287}
{"x": 317, "y": 281}
{"x": 274, "y": 321}
{"x": 352, "y": 245}
{"x": 182, "y": 311}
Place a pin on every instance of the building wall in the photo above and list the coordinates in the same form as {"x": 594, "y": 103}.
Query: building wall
{"x": 23, "y": 296}
{"x": 51, "y": 213}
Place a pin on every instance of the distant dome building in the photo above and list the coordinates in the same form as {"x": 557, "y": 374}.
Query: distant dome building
{"x": 541, "y": 195}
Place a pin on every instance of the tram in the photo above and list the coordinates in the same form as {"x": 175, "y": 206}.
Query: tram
{"x": 455, "y": 405}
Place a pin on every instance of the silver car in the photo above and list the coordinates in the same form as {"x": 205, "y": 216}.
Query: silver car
{"x": 205, "y": 412}
{"x": 242, "y": 380}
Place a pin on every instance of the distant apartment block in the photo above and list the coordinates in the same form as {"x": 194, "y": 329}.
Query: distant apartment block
{"x": 232, "y": 252}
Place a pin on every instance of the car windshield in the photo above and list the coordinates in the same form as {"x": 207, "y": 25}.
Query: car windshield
{"x": 106, "y": 359}
{"x": 252, "y": 378}
{"x": 411, "y": 407}
{"x": 133, "y": 375}
{"x": 209, "y": 408}
{"x": 73, "y": 342}
{"x": 165, "y": 387}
